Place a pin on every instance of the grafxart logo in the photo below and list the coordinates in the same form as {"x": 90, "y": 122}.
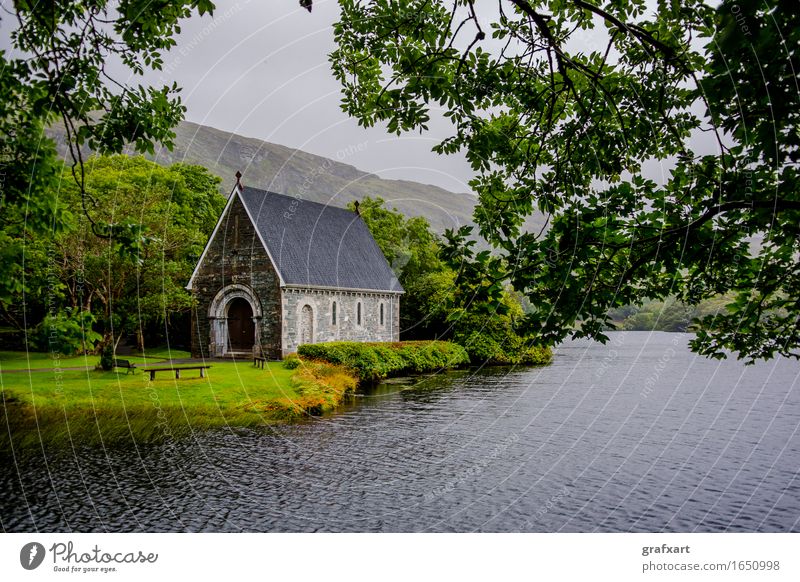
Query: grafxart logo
{"x": 31, "y": 555}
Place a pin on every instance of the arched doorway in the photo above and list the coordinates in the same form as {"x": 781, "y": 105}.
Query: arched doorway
{"x": 227, "y": 304}
{"x": 241, "y": 328}
{"x": 307, "y": 325}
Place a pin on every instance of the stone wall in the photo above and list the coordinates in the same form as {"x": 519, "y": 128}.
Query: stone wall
{"x": 346, "y": 327}
{"x": 238, "y": 260}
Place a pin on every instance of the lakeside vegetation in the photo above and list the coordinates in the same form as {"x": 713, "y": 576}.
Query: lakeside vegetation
{"x": 45, "y": 401}
{"x": 58, "y": 398}
{"x": 374, "y": 361}
{"x": 670, "y": 314}
{"x": 64, "y": 408}
{"x": 57, "y": 407}
{"x": 613, "y": 236}
{"x": 436, "y": 307}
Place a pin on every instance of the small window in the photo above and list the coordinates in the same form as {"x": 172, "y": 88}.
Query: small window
{"x": 236, "y": 231}
{"x": 358, "y": 314}
{"x": 333, "y": 314}
{"x": 381, "y": 313}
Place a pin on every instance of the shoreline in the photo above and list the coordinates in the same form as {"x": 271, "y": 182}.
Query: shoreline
{"x": 57, "y": 408}
{"x": 60, "y": 408}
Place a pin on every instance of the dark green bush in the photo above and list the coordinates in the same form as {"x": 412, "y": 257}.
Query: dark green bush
{"x": 66, "y": 332}
{"x": 374, "y": 361}
{"x": 291, "y": 362}
{"x": 484, "y": 348}
{"x": 498, "y": 339}
{"x": 107, "y": 358}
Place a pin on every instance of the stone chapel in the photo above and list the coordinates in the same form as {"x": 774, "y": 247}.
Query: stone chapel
{"x": 279, "y": 271}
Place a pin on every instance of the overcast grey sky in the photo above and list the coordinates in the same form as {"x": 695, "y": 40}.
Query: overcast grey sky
{"x": 260, "y": 69}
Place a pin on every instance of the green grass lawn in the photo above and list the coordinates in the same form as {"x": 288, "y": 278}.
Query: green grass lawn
{"x": 165, "y": 353}
{"x": 92, "y": 406}
{"x": 34, "y": 360}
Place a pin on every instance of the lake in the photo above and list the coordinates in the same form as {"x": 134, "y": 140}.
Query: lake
{"x": 637, "y": 435}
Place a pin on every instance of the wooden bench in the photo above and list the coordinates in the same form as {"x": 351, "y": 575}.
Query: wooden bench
{"x": 125, "y": 364}
{"x": 177, "y": 371}
{"x": 258, "y": 357}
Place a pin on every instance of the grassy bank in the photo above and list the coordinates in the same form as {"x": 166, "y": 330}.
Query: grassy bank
{"x": 60, "y": 407}
{"x": 56, "y": 406}
{"x": 375, "y": 361}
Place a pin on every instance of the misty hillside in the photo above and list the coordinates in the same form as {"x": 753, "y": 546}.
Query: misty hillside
{"x": 288, "y": 171}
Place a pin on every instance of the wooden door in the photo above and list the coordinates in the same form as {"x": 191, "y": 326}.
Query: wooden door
{"x": 241, "y": 329}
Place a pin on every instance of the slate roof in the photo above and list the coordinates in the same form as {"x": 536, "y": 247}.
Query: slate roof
{"x": 317, "y": 244}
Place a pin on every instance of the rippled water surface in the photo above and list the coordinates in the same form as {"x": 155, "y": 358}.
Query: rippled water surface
{"x": 637, "y": 435}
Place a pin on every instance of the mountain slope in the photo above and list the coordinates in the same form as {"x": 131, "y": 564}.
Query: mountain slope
{"x": 285, "y": 170}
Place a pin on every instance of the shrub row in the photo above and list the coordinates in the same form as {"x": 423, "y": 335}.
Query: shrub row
{"x": 485, "y": 349}
{"x": 374, "y": 361}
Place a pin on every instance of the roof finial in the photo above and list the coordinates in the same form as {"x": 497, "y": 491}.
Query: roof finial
{"x": 356, "y": 203}
{"x": 238, "y": 179}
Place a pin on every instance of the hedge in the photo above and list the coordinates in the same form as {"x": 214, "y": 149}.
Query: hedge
{"x": 374, "y": 361}
{"x": 513, "y": 350}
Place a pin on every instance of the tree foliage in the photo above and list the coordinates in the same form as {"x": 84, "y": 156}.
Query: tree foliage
{"x": 66, "y": 332}
{"x": 434, "y": 307}
{"x": 497, "y": 338}
{"x": 412, "y": 250}
{"x": 58, "y": 71}
{"x": 176, "y": 207}
{"x": 560, "y": 105}
{"x": 78, "y": 283}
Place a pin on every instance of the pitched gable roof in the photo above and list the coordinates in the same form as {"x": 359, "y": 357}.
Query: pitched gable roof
{"x": 317, "y": 245}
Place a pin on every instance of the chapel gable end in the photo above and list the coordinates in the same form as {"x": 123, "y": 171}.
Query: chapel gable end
{"x": 235, "y": 268}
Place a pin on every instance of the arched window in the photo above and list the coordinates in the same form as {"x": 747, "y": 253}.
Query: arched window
{"x": 333, "y": 313}
{"x": 381, "y": 313}
{"x": 358, "y": 313}
{"x": 306, "y": 325}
